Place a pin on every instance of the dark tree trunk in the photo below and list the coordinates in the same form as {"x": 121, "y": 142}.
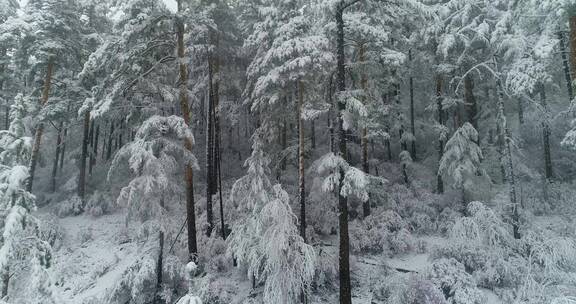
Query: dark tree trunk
{"x": 471, "y": 105}
{"x": 520, "y": 111}
{"x": 364, "y": 135}
{"x": 159, "y": 268}
{"x": 91, "y": 145}
{"x": 566, "y": 66}
{"x": 40, "y": 127}
{"x": 412, "y": 114}
{"x": 95, "y": 148}
{"x": 110, "y": 141}
{"x": 548, "y": 172}
{"x": 301, "y": 177}
{"x": 57, "y": 155}
{"x": 210, "y": 151}
{"x": 439, "y": 100}
{"x": 85, "y": 143}
{"x": 573, "y": 43}
{"x": 344, "y": 248}
{"x": 63, "y": 152}
{"x": 185, "y": 109}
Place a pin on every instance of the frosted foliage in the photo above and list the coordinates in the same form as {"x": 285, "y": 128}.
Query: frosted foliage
{"x": 189, "y": 298}
{"x": 457, "y": 285}
{"x": 267, "y": 241}
{"x": 15, "y": 147}
{"x": 355, "y": 181}
{"x": 461, "y": 156}
{"x": 155, "y": 154}
{"x": 569, "y": 140}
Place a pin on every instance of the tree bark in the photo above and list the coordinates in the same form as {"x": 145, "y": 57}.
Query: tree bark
{"x": 471, "y": 105}
{"x": 301, "y": 180}
{"x": 63, "y": 152}
{"x": 344, "y": 248}
{"x": 566, "y": 66}
{"x": 85, "y": 143}
{"x": 110, "y": 141}
{"x": 412, "y": 114}
{"x": 40, "y": 127}
{"x": 548, "y": 172}
{"x": 185, "y": 109}
{"x": 210, "y": 151}
{"x": 505, "y": 134}
{"x": 95, "y": 147}
{"x": 159, "y": 268}
{"x": 364, "y": 135}
{"x": 439, "y": 100}
{"x": 57, "y": 155}
{"x": 573, "y": 43}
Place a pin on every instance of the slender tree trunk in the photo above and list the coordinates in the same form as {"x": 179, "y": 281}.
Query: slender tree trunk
{"x": 159, "y": 268}
{"x": 520, "y": 111}
{"x": 110, "y": 141}
{"x": 566, "y": 66}
{"x": 90, "y": 146}
{"x": 210, "y": 151}
{"x": 471, "y": 105}
{"x": 85, "y": 143}
{"x": 364, "y": 135}
{"x": 5, "y": 281}
{"x": 284, "y": 143}
{"x": 412, "y": 114}
{"x": 548, "y": 172}
{"x": 301, "y": 180}
{"x": 40, "y": 126}
{"x": 439, "y": 101}
{"x": 344, "y": 248}
{"x": 57, "y": 155}
{"x": 63, "y": 152}
{"x": 95, "y": 146}
{"x": 313, "y": 134}
{"x": 185, "y": 109}
{"x": 505, "y": 133}
{"x": 573, "y": 43}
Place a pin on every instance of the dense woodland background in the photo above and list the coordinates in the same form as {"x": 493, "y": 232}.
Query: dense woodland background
{"x": 287, "y": 151}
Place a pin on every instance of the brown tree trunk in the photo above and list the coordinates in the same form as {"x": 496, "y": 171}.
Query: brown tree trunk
{"x": 412, "y": 114}
{"x": 85, "y": 143}
{"x": 210, "y": 151}
{"x": 40, "y": 126}
{"x": 185, "y": 108}
{"x": 301, "y": 180}
{"x": 63, "y": 152}
{"x": 57, "y": 155}
{"x": 548, "y": 172}
{"x": 573, "y": 43}
{"x": 344, "y": 243}
{"x": 439, "y": 100}
{"x": 566, "y": 66}
{"x": 470, "y": 105}
{"x": 364, "y": 135}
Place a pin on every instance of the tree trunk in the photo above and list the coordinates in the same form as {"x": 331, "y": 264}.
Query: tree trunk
{"x": 505, "y": 134}
{"x": 5, "y": 282}
{"x": 91, "y": 145}
{"x": 566, "y": 66}
{"x": 471, "y": 106}
{"x": 63, "y": 152}
{"x": 364, "y": 135}
{"x": 313, "y": 134}
{"x": 85, "y": 142}
{"x": 548, "y": 172}
{"x": 210, "y": 151}
{"x": 301, "y": 181}
{"x": 57, "y": 155}
{"x": 344, "y": 248}
{"x": 95, "y": 147}
{"x": 412, "y": 115}
{"x": 573, "y": 43}
{"x": 185, "y": 109}
{"x": 110, "y": 140}
{"x": 439, "y": 100}
{"x": 40, "y": 126}
{"x": 284, "y": 143}
{"x": 159, "y": 268}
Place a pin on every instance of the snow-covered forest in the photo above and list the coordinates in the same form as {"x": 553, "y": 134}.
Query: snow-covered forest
{"x": 287, "y": 151}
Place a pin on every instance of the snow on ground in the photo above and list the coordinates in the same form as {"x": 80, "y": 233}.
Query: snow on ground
{"x": 93, "y": 255}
